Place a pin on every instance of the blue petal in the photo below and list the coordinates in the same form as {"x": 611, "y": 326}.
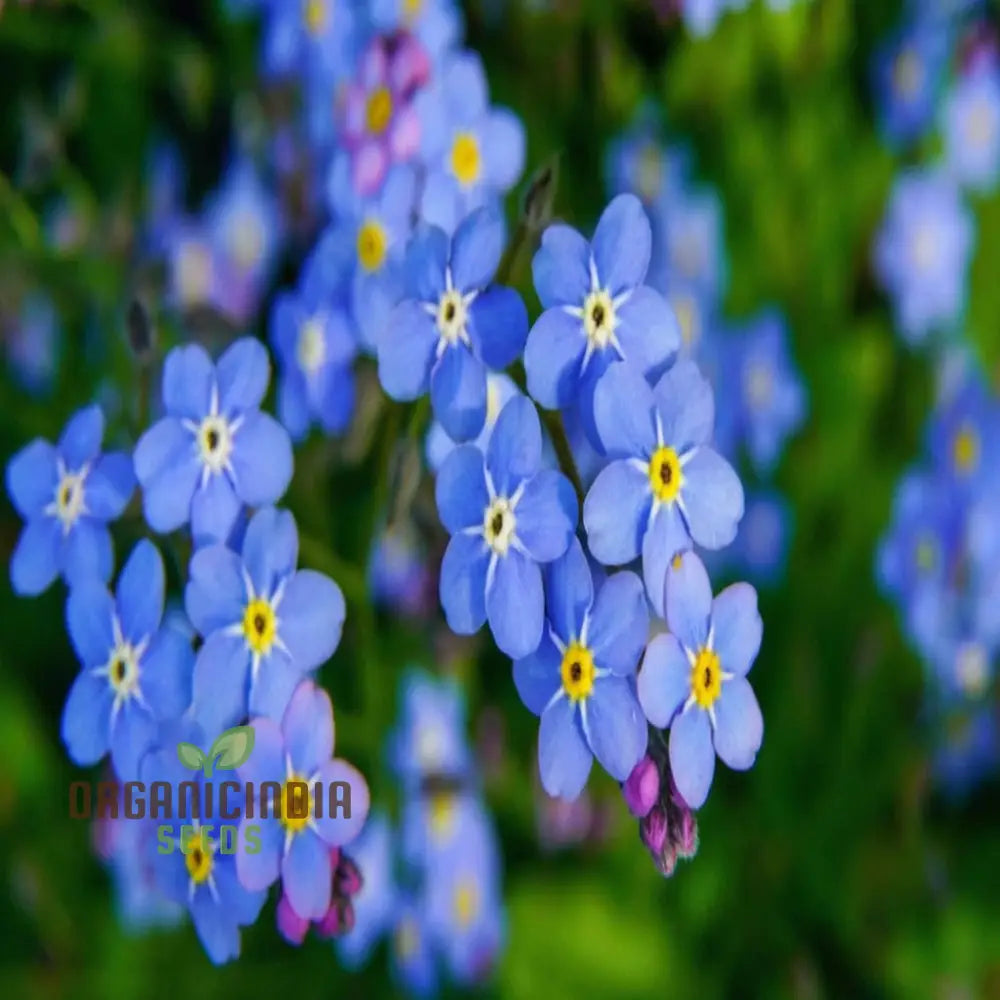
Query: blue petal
{"x": 614, "y": 726}
{"x": 458, "y": 393}
{"x": 619, "y": 623}
{"x": 623, "y": 412}
{"x": 692, "y": 758}
{"x": 262, "y": 460}
{"x": 616, "y": 513}
{"x": 561, "y": 267}
{"x": 648, "y": 331}
{"x": 140, "y": 592}
{"x": 569, "y": 592}
{"x": 87, "y": 552}
{"x": 35, "y": 563}
{"x": 498, "y": 326}
{"x": 32, "y": 478}
{"x": 622, "y": 244}
{"x": 426, "y": 261}
{"x": 266, "y": 763}
{"x": 307, "y": 727}
{"x": 188, "y": 381}
{"x": 503, "y": 148}
{"x": 168, "y": 469}
{"x": 664, "y": 682}
{"x": 259, "y": 871}
{"x": 515, "y": 449}
{"x": 340, "y": 829}
{"x": 274, "y": 685}
{"x": 215, "y": 594}
{"x": 552, "y": 357}
{"x": 215, "y": 511}
{"x": 109, "y": 486}
{"x": 666, "y": 536}
{"x": 293, "y": 404}
{"x": 686, "y": 406}
{"x": 167, "y": 673}
{"x": 564, "y": 758}
{"x": 546, "y": 515}
{"x": 536, "y": 676}
{"x": 406, "y": 351}
{"x": 219, "y": 682}
{"x": 463, "y": 583}
{"x": 466, "y": 88}
{"x": 80, "y": 442}
{"x": 242, "y": 374}
{"x": 86, "y": 719}
{"x": 460, "y": 490}
{"x": 441, "y": 201}
{"x": 476, "y": 248}
{"x": 739, "y": 726}
{"x": 311, "y": 616}
{"x": 134, "y": 734}
{"x": 515, "y": 604}
{"x": 90, "y": 612}
{"x": 689, "y": 601}
{"x": 336, "y": 399}
{"x": 713, "y": 499}
{"x": 217, "y": 930}
{"x": 737, "y": 628}
{"x": 270, "y": 549}
{"x": 242, "y": 906}
{"x": 306, "y": 875}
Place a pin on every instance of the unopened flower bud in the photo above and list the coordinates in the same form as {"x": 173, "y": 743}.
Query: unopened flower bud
{"x": 653, "y": 830}
{"x": 642, "y": 787}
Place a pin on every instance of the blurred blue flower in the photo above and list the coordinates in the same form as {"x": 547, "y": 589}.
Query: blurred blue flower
{"x": 307, "y": 36}
{"x": 33, "y": 344}
{"x": 298, "y": 849}
{"x": 265, "y": 624}
{"x": 474, "y": 153}
{"x": 972, "y": 128}
{"x": 964, "y": 435}
{"x": 969, "y": 749}
{"x": 636, "y": 162}
{"x": 398, "y": 571}
{"x": 761, "y": 546}
{"x": 214, "y": 450}
{"x": 436, "y": 23}
{"x": 665, "y": 486}
{"x": 414, "y": 962}
{"x": 693, "y": 678}
{"x": 194, "y": 272}
{"x": 922, "y": 254}
{"x": 505, "y": 515}
{"x": 701, "y": 16}
{"x": 66, "y": 495}
{"x": 136, "y": 672}
{"x": 908, "y": 72}
{"x": 692, "y": 256}
{"x": 453, "y": 324}
{"x": 375, "y": 903}
{"x": 597, "y": 310}
{"x": 580, "y": 679}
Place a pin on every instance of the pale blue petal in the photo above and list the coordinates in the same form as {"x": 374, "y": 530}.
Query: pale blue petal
{"x": 36, "y": 559}
{"x": 463, "y": 583}
{"x": 215, "y": 510}
{"x": 86, "y": 719}
{"x": 739, "y": 726}
{"x": 569, "y": 592}
{"x": 476, "y": 248}
{"x": 270, "y": 548}
{"x": 664, "y": 682}
{"x": 515, "y": 449}
{"x": 260, "y": 871}
{"x": 266, "y": 762}
{"x": 692, "y": 758}
{"x": 87, "y": 552}
{"x": 242, "y": 374}
{"x": 80, "y": 442}
{"x": 713, "y": 499}
{"x": 168, "y": 469}
{"x": 215, "y": 595}
{"x": 90, "y": 613}
{"x": 134, "y": 734}
{"x": 219, "y": 682}
{"x": 666, "y": 536}
{"x": 615, "y": 726}
{"x": 503, "y": 148}
{"x": 167, "y": 671}
{"x": 32, "y": 478}
{"x": 426, "y": 261}
{"x": 536, "y": 676}
{"x": 686, "y": 406}
{"x": 688, "y": 601}
{"x": 737, "y": 628}
{"x": 341, "y": 828}
{"x": 622, "y": 244}
{"x": 140, "y": 592}
{"x": 498, "y": 326}
{"x": 553, "y": 354}
{"x": 217, "y": 931}
{"x": 616, "y": 512}
{"x": 458, "y": 393}
{"x": 406, "y": 351}
{"x": 564, "y": 758}
{"x": 624, "y": 412}
{"x": 188, "y": 380}
{"x": 307, "y": 727}
{"x": 109, "y": 486}
{"x": 311, "y": 618}
{"x": 648, "y": 331}
{"x": 460, "y": 490}
{"x": 561, "y": 267}
{"x": 262, "y": 460}
{"x": 546, "y": 515}
{"x": 619, "y": 623}
{"x": 515, "y": 605}
{"x": 306, "y": 875}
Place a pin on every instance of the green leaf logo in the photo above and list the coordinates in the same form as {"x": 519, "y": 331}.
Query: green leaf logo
{"x": 230, "y": 749}
{"x": 190, "y": 756}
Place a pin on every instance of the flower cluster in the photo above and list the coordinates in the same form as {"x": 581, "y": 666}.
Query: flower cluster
{"x": 264, "y": 628}
{"x": 435, "y": 879}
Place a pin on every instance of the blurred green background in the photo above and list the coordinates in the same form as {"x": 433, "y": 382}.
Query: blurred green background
{"x": 833, "y": 868}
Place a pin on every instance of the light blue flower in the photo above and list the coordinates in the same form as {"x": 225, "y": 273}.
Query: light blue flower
{"x": 665, "y": 487}
{"x": 136, "y": 671}
{"x": 66, "y": 495}
{"x": 453, "y": 324}
{"x": 597, "y": 310}
{"x": 33, "y": 346}
{"x": 265, "y": 624}
{"x": 580, "y": 679}
{"x": 436, "y": 23}
{"x": 972, "y": 128}
{"x": 214, "y": 451}
{"x": 693, "y": 678}
{"x": 506, "y": 515}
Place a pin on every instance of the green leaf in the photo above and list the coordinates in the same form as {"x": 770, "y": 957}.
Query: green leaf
{"x": 190, "y": 756}
{"x": 230, "y": 749}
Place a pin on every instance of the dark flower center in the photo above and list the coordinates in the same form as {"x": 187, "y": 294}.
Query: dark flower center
{"x": 449, "y": 312}
{"x": 666, "y": 473}
{"x": 259, "y": 624}
{"x": 597, "y": 314}
{"x": 496, "y": 525}
{"x": 575, "y": 671}
{"x": 212, "y": 439}
{"x": 117, "y": 670}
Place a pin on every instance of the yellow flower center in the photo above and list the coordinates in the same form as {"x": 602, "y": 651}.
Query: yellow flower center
{"x": 665, "y": 474}
{"x": 379, "y": 110}
{"x": 441, "y": 816}
{"x": 215, "y": 442}
{"x": 599, "y": 320}
{"x": 310, "y": 349}
{"x": 259, "y": 625}
{"x": 412, "y": 9}
{"x": 296, "y": 804}
{"x": 316, "y": 16}
{"x": 926, "y": 557}
{"x": 371, "y": 245}
{"x": 498, "y": 525}
{"x": 198, "y": 858}
{"x": 465, "y": 160}
{"x": 451, "y": 316}
{"x": 194, "y": 272}
{"x": 686, "y": 311}
{"x": 407, "y": 938}
{"x": 577, "y": 671}
{"x": 123, "y": 669}
{"x": 965, "y": 450}
{"x": 706, "y": 678}
{"x": 246, "y": 240}
{"x": 69, "y": 499}
{"x": 649, "y": 172}
{"x": 759, "y": 385}
{"x": 466, "y": 902}
{"x": 907, "y": 73}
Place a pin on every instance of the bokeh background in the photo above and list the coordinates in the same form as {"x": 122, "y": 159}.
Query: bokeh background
{"x": 837, "y": 867}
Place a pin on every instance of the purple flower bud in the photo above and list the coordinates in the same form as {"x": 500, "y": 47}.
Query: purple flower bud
{"x": 653, "y": 830}
{"x": 290, "y": 925}
{"x": 686, "y": 835}
{"x": 347, "y": 879}
{"x": 642, "y": 787}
